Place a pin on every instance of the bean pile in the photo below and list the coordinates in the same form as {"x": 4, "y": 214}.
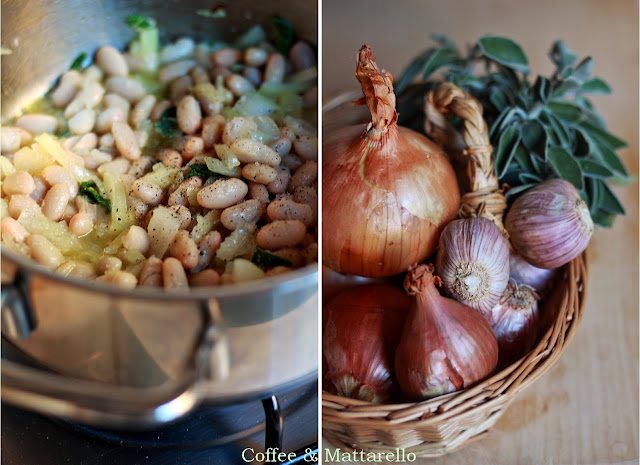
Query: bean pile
{"x": 197, "y": 167}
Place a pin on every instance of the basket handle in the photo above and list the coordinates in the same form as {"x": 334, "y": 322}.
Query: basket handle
{"x": 483, "y": 195}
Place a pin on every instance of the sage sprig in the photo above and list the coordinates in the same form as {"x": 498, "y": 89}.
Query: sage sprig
{"x": 540, "y": 128}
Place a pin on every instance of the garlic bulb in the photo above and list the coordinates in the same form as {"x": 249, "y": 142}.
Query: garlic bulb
{"x": 549, "y": 225}
{"x": 473, "y": 262}
{"x": 524, "y": 272}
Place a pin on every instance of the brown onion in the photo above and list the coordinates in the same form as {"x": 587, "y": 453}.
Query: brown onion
{"x": 549, "y": 225}
{"x": 445, "y": 345}
{"x": 473, "y": 262}
{"x": 361, "y": 331}
{"x": 387, "y": 191}
{"x": 515, "y": 322}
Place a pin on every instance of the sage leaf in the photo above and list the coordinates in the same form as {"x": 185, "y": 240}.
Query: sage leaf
{"x": 561, "y": 55}
{"x": 78, "y": 62}
{"x": 498, "y": 98}
{"x": 565, "y": 166}
{"x": 534, "y": 135}
{"x": 441, "y": 57}
{"x": 565, "y": 111}
{"x": 515, "y": 191}
{"x": 412, "y": 70}
{"x": 595, "y": 86}
{"x": 612, "y": 160}
{"x": 504, "y": 51}
{"x": 593, "y": 190}
{"x": 594, "y": 169}
{"x": 509, "y": 141}
{"x": 542, "y": 88}
{"x": 602, "y": 135}
{"x": 603, "y": 218}
{"x": 609, "y": 202}
{"x": 583, "y": 70}
{"x": 444, "y": 40}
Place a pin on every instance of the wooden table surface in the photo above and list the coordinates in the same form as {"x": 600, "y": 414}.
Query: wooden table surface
{"x": 584, "y": 410}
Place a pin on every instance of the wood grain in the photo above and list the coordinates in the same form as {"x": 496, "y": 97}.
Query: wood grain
{"x": 584, "y": 411}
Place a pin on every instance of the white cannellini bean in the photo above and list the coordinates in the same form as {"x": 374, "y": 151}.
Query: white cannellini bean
{"x": 159, "y": 108}
{"x": 40, "y": 190}
{"x": 212, "y": 128}
{"x": 176, "y": 69}
{"x": 108, "y": 263}
{"x": 19, "y": 182}
{"x": 292, "y": 161}
{"x": 92, "y": 73}
{"x": 19, "y": 203}
{"x": 275, "y": 69}
{"x": 199, "y": 75}
{"x": 259, "y": 172}
{"x": 255, "y": 56}
{"x": 251, "y": 151}
{"x": 249, "y": 211}
{"x": 180, "y": 87}
{"x": 141, "y": 166}
{"x": 280, "y": 234}
{"x": 281, "y": 183}
{"x": 119, "y": 165}
{"x": 184, "y": 214}
{"x": 302, "y": 56}
{"x": 106, "y": 118}
{"x": 136, "y": 238}
{"x": 253, "y": 75}
{"x": 285, "y": 209}
{"x": 222, "y": 193}
{"x": 76, "y": 105}
{"x": 173, "y": 275}
{"x": 111, "y": 61}
{"x": 77, "y": 268}
{"x": 238, "y": 85}
{"x": 43, "y": 251}
{"x": 142, "y": 110}
{"x": 13, "y": 230}
{"x": 10, "y": 139}
{"x": 282, "y": 146}
{"x": 151, "y": 272}
{"x": 81, "y": 224}
{"x": 194, "y": 146}
{"x": 184, "y": 249}
{"x": 82, "y": 122}
{"x": 181, "y": 48}
{"x": 201, "y": 54}
{"x": 170, "y": 157}
{"x": 233, "y": 128}
{"x": 307, "y": 147}
{"x": 85, "y": 144}
{"x": 126, "y": 87}
{"x": 115, "y": 100}
{"x": 125, "y": 140}
{"x": 69, "y": 85}
{"x": 92, "y": 93}
{"x": 95, "y": 157}
{"x": 189, "y": 114}
{"x": 119, "y": 278}
{"x": 219, "y": 71}
{"x": 148, "y": 192}
{"x": 204, "y": 278}
{"x": 55, "y": 202}
{"x": 306, "y": 175}
{"x": 259, "y": 192}
{"x": 142, "y": 136}
{"x": 37, "y": 123}
{"x": 226, "y": 57}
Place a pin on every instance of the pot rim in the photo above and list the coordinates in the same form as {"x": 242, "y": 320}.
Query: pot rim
{"x": 286, "y": 282}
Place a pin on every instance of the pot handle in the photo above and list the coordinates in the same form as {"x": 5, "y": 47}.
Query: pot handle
{"x": 107, "y": 405}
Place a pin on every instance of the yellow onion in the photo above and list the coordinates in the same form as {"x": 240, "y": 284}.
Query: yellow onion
{"x": 387, "y": 191}
{"x": 549, "y": 225}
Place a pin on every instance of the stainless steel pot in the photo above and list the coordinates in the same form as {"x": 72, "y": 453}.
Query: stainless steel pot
{"x": 111, "y": 357}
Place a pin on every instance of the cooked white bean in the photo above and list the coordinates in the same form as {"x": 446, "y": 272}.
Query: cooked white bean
{"x": 69, "y": 211}
{"x": 91, "y": 94}
{"x": 308, "y": 196}
{"x": 119, "y": 165}
{"x": 125, "y": 140}
{"x": 108, "y": 263}
{"x": 173, "y": 275}
{"x": 174, "y": 70}
{"x": 151, "y": 272}
{"x": 69, "y": 142}
{"x": 19, "y": 203}
{"x": 275, "y": 69}
{"x": 55, "y": 202}
{"x": 207, "y": 248}
{"x": 250, "y": 151}
{"x": 282, "y": 146}
{"x": 292, "y": 161}
{"x": 219, "y": 71}
{"x": 287, "y": 132}
{"x": 282, "y": 181}
{"x": 285, "y": 209}
{"x": 116, "y": 101}
{"x": 19, "y": 182}
{"x": 142, "y": 137}
{"x": 82, "y": 122}
{"x": 249, "y": 211}
{"x": 222, "y": 193}
{"x": 81, "y": 224}
{"x": 76, "y": 105}
{"x": 184, "y": 214}
{"x": 111, "y": 61}
{"x": 238, "y": 85}
{"x": 302, "y": 56}
{"x": 26, "y": 138}
{"x": 36, "y": 123}
{"x": 306, "y": 175}
{"x": 92, "y": 73}
{"x": 181, "y": 48}
{"x": 200, "y": 75}
{"x": 306, "y": 147}
{"x": 142, "y": 110}
{"x": 189, "y": 114}
{"x": 255, "y": 56}
{"x": 96, "y": 157}
{"x": 253, "y": 75}
{"x": 43, "y": 251}
{"x": 9, "y": 140}
{"x": 77, "y": 268}
{"x": 212, "y": 128}
{"x": 280, "y": 234}
{"x": 259, "y": 192}
{"x": 86, "y": 143}
{"x": 170, "y": 157}
{"x": 40, "y": 190}
{"x": 237, "y": 125}
{"x": 293, "y": 255}
{"x": 159, "y": 108}
{"x": 180, "y": 87}
{"x": 13, "y": 230}
{"x": 259, "y": 172}
{"x": 106, "y": 118}
{"x": 148, "y": 192}
{"x": 119, "y": 278}
{"x": 202, "y": 55}
{"x": 226, "y": 57}
{"x": 141, "y": 166}
{"x": 204, "y": 278}
{"x": 136, "y": 238}
{"x": 126, "y": 87}
{"x": 184, "y": 249}
{"x": 67, "y": 88}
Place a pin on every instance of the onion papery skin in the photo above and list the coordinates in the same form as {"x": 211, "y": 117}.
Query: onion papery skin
{"x": 473, "y": 262}
{"x": 385, "y": 201}
{"x": 515, "y": 323}
{"x": 524, "y": 272}
{"x": 445, "y": 346}
{"x": 549, "y": 225}
{"x": 360, "y": 335}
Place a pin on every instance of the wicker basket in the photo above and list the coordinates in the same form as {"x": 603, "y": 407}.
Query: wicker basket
{"x": 443, "y": 424}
